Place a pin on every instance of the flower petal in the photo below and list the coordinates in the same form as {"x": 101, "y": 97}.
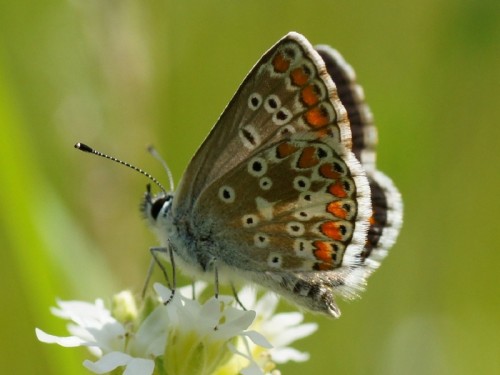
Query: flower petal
{"x": 236, "y": 325}
{"x": 109, "y": 337}
{"x": 253, "y": 368}
{"x": 291, "y": 334}
{"x": 162, "y": 291}
{"x": 210, "y": 314}
{"x": 284, "y": 320}
{"x": 140, "y": 366}
{"x": 108, "y": 362}
{"x": 283, "y": 355}
{"x": 68, "y": 341}
{"x": 266, "y": 305}
{"x": 84, "y": 313}
{"x": 187, "y": 291}
{"x": 151, "y": 337}
{"x": 258, "y": 339}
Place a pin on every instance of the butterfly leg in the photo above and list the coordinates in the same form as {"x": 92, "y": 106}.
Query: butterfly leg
{"x": 216, "y": 286}
{"x": 236, "y": 298}
{"x": 216, "y": 279}
{"x": 165, "y": 250}
{"x": 148, "y": 277}
{"x": 193, "y": 291}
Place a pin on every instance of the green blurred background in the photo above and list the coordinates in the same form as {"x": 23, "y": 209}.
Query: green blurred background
{"x": 123, "y": 74}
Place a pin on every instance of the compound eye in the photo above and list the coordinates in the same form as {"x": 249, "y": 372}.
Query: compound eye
{"x": 157, "y": 206}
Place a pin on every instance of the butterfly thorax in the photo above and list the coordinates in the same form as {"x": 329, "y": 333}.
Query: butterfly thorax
{"x": 180, "y": 233}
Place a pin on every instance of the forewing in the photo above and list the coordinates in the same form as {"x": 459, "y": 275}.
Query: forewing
{"x": 288, "y": 91}
{"x": 277, "y": 186}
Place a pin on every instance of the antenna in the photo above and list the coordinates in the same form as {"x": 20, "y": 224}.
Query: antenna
{"x": 83, "y": 147}
{"x": 157, "y": 156}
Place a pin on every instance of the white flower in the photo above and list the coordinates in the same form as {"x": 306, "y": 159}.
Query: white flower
{"x": 204, "y": 333}
{"x": 280, "y": 329}
{"x": 184, "y": 337}
{"x": 116, "y": 343}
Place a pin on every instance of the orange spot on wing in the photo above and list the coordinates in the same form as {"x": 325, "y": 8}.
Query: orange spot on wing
{"x": 372, "y": 220}
{"x": 331, "y": 229}
{"x": 280, "y": 63}
{"x": 337, "y": 189}
{"x": 328, "y": 171}
{"x": 323, "y": 267}
{"x": 323, "y": 251}
{"x": 324, "y": 132}
{"x": 309, "y": 95}
{"x": 317, "y": 117}
{"x": 285, "y": 149}
{"x": 299, "y": 76}
{"x": 308, "y": 158}
{"x": 336, "y": 209}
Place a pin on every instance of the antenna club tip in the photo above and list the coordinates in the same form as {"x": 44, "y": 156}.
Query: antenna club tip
{"x": 83, "y": 147}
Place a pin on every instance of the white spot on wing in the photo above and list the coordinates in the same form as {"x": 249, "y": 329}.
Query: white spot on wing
{"x": 265, "y": 183}
{"x": 294, "y": 228}
{"x": 275, "y": 260}
{"x": 257, "y": 167}
{"x": 249, "y": 136}
{"x": 250, "y": 220}
{"x": 261, "y": 240}
{"x": 227, "y": 194}
{"x": 264, "y": 207}
{"x": 254, "y": 101}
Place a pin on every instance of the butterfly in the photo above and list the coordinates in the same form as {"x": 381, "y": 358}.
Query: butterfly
{"x": 284, "y": 192}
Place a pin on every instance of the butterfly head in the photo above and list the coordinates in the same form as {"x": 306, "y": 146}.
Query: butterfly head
{"x": 156, "y": 207}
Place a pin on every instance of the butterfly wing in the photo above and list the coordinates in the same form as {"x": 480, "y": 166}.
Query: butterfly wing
{"x": 293, "y": 217}
{"x": 275, "y": 193}
{"x": 262, "y": 110}
{"x": 386, "y": 220}
{"x": 351, "y": 94}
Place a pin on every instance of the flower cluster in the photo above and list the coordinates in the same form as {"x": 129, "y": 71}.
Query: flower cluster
{"x": 184, "y": 336}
